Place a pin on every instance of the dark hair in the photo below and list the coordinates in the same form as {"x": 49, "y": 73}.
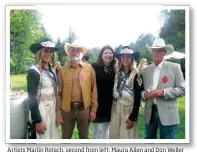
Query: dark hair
{"x": 86, "y": 57}
{"x": 100, "y": 60}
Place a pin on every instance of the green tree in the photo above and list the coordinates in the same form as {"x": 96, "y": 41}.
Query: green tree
{"x": 93, "y": 54}
{"x": 71, "y": 36}
{"x": 25, "y": 29}
{"x": 61, "y": 54}
{"x": 140, "y": 45}
{"x": 70, "y": 39}
{"x": 173, "y": 30}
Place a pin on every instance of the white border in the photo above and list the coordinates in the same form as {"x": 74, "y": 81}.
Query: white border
{"x": 7, "y": 73}
{"x": 187, "y": 76}
{"x": 187, "y": 97}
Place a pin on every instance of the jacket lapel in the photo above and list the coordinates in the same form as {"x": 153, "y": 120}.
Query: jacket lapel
{"x": 162, "y": 73}
{"x": 151, "y": 72}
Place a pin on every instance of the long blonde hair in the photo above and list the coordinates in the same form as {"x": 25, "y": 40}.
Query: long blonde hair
{"x": 38, "y": 60}
{"x": 142, "y": 64}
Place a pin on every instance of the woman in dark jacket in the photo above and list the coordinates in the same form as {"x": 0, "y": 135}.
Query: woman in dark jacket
{"x": 105, "y": 73}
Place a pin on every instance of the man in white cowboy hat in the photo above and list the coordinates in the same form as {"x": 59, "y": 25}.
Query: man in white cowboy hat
{"x": 77, "y": 93}
{"x": 163, "y": 84}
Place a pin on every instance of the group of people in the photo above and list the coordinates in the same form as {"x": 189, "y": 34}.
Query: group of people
{"x": 107, "y": 93}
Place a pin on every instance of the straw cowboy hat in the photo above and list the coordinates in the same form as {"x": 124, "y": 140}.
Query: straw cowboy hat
{"x": 127, "y": 50}
{"x": 68, "y": 46}
{"x": 44, "y": 43}
{"x": 160, "y": 43}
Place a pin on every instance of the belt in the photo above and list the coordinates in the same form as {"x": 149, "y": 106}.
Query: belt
{"x": 76, "y": 105}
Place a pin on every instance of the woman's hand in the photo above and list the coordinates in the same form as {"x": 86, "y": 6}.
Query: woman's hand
{"x": 41, "y": 127}
{"x": 129, "y": 124}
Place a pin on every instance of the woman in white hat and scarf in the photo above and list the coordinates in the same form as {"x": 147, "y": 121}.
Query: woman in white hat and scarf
{"x": 127, "y": 96}
{"x": 42, "y": 88}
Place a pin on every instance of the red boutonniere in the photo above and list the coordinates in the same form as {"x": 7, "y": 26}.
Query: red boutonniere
{"x": 165, "y": 79}
{"x": 81, "y": 76}
{"x": 106, "y": 69}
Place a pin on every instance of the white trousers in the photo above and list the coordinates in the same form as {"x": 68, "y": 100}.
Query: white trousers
{"x": 101, "y": 130}
{"x": 47, "y": 111}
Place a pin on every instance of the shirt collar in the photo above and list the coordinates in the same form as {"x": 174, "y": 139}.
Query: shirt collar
{"x": 68, "y": 65}
{"x": 159, "y": 65}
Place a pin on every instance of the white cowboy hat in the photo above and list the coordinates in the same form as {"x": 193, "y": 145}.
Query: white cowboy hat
{"x": 67, "y": 47}
{"x": 160, "y": 43}
{"x": 127, "y": 50}
{"x": 44, "y": 43}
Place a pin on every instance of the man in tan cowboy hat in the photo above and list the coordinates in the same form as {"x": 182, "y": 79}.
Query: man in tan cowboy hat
{"x": 77, "y": 93}
{"x": 163, "y": 84}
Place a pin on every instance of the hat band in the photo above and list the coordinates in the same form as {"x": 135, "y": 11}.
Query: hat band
{"x": 126, "y": 51}
{"x": 158, "y": 46}
{"x": 48, "y": 44}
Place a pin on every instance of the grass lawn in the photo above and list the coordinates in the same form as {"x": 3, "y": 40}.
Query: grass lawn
{"x": 19, "y": 83}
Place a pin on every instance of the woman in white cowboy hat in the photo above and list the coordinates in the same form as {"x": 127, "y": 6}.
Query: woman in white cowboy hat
{"x": 41, "y": 87}
{"x": 127, "y": 96}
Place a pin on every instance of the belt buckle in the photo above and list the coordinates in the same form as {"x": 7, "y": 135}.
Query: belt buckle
{"x": 76, "y": 105}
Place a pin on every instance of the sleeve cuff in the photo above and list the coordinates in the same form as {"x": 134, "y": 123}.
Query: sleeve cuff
{"x": 93, "y": 110}
{"x": 164, "y": 92}
{"x": 132, "y": 119}
{"x": 142, "y": 95}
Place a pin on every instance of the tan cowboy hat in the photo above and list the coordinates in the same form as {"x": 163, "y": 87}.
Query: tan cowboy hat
{"x": 67, "y": 47}
{"x": 160, "y": 43}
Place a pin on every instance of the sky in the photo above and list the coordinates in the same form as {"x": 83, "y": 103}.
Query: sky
{"x": 99, "y": 25}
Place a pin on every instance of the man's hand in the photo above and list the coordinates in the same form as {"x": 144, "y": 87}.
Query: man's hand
{"x": 157, "y": 93}
{"x": 59, "y": 119}
{"x": 92, "y": 116}
{"x": 41, "y": 127}
{"x": 129, "y": 124}
{"x": 147, "y": 94}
